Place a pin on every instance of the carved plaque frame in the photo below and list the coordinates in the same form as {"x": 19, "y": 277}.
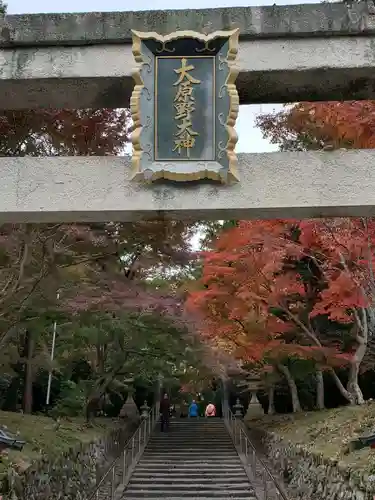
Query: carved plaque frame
{"x": 222, "y": 46}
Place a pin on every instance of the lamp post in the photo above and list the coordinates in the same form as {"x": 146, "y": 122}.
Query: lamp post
{"x": 254, "y": 409}
{"x": 52, "y": 356}
{"x": 129, "y": 408}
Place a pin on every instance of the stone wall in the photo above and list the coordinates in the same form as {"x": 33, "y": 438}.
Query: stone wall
{"x": 310, "y": 476}
{"x": 70, "y": 476}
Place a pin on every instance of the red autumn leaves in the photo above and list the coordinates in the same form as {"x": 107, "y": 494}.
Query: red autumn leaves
{"x": 268, "y": 286}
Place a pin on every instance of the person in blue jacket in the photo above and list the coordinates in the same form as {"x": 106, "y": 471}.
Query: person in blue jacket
{"x": 193, "y": 409}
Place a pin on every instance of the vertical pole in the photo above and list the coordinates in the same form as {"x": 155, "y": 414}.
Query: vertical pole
{"x": 52, "y": 356}
{"x": 113, "y": 483}
{"x": 265, "y": 485}
{"x": 124, "y": 466}
{"x": 139, "y": 438}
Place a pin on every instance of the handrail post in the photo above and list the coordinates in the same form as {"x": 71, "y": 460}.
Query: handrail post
{"x": 113, "y": 483}
{"x": 265, "y": 487}
{"x": 123, "y": 462}
{"x": 256, "y": 465}
{"x": 139, "y": 438}
{"x": 124, "y": 466}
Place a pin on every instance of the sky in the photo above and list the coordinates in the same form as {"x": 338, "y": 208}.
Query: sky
{"x": 250, "y": 138}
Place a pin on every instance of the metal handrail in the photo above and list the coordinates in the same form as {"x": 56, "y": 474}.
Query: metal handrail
{"x": 265, "y": 484}
{"x": 120, "y": 470}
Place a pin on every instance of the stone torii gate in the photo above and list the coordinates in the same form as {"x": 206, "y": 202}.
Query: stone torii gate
{"x": 289, "y": 53}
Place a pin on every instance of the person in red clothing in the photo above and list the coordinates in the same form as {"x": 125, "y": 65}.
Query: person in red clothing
{"x": 164, "y": 413}
{"x": 210, "y": 410}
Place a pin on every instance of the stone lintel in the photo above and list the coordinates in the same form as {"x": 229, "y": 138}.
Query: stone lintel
{"x": 101, "y": 75}
{"x": 305, "y": 20}
{"x": 273, "y": 185}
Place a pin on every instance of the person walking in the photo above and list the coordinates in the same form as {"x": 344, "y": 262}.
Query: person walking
{"x": 210, "y": 410}
{"x": 184, "y": 409}
{"x": 193, "y": 409}
{"x": 164, "y": 413}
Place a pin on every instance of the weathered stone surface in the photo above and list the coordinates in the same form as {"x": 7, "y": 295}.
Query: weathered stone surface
{"x": 271, "y": 70}
{"x": 288, "y": 53}
{"x": 71, "y": 476}
{"x": 285, "y": 185}
{"x": 311, "y": 476}
{"x": 129, "y": 409}
{"x": 254, "y": 22}
{"x": 255, "y": 409}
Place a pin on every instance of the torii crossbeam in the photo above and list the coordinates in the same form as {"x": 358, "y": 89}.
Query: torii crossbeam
{"x": 288, "y": 53}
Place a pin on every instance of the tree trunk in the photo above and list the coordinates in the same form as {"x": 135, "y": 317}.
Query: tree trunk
{"x": 28, "y": 390}
{"x": 319, "y": 390}
{"x": 359, "y": 354}
{"x": 271, "y": 400}
{"x": 353, "y": 385}
{"x": 292, "y": 387}
{"x": 347, "y": 395}
{"x": 361, "y": 337}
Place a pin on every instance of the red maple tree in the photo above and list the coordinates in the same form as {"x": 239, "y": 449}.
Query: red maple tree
{"x": 322, "y": 125}
{"x": 268, "y": 285}
{"x": 328, "y": 126}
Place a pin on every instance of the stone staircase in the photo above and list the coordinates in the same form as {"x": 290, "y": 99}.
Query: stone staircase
{"x": 196, "y": 459}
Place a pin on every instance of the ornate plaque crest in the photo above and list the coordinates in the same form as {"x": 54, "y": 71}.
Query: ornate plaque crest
{"x": 184, "y": 106}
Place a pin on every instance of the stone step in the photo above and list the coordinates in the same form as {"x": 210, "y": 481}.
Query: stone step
{"x": 168, "y": 480}
{"x": 176, "y": 436}
{"x": 182, "y": 434}
{"x": 188, "y": 471}
{"x": 150, "y": 493}
{"x": 186, "y": 465}
{"x": 190, "y": 444}
{"x": 186, "y": 446}
{"x": 195, "y": 459}
{"x": 197, "y": 420}
{"x": 199, "y": 453}
{"x": 188, "y": 429}
{"x": 243, "y": 485}
{"x": 190, "y": 464}
{"x": 158, "y": 496}
{"x": 176, "y": 441}
{"x": 205, "y": 456}
{"x": 198, "y": 424}
{"x": 188, "y": 476}
{"x": 190, "y": 457}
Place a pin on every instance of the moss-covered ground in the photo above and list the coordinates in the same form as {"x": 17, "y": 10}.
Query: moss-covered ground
{"x": 44, "y": 436}
{"x": 329, "y": 433}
